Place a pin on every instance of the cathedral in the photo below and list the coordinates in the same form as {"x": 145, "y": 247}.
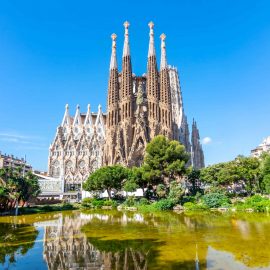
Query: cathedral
{"x": 138, "y": 109}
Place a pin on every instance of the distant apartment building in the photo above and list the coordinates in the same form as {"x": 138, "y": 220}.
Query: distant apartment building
{"x": 264, "y": 147}
{"x": 9, "y": 161}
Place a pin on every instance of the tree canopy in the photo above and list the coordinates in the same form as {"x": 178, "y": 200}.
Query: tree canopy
{"x": 164, "y": 160}
{"x": 15, "y": 188}
{"x": 106, "y": 179}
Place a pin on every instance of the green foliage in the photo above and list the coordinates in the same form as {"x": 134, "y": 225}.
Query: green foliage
{"x": 67, "y": 206}
{"x": 164, "y": 159}
{"x": 106, "y": 178}
{"x": 137, "y": 175}
{"x": 266, "y": 173}
{"x": 87, "y": 202}
{"x": 110, "y": 203}
{"x": 194, "y": 180}
{"x": 161, "y": 190}
{"x": 176, "y": 192}
{"x": 16, "y": 188}
{"x": 143, "y": 201}
{"x": 130, "y": 201}
{"x": 215, "y": 200}
{"x": 164, "y": 204}
{"x": 256, "y": 202}
{"x": 130, "y": 186}
{"x": 190, "y": 206}
{"x": 97, "y": 203}
{"x": 186, "y": 199}
{"x": 245, "y": 169}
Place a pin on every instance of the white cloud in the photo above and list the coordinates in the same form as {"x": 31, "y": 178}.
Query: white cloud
{"x": 24, "y": 141}
{"x": 206, "y": 140}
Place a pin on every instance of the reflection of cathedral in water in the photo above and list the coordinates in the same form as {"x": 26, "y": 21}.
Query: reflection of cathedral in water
{"x": 66, "y": 247}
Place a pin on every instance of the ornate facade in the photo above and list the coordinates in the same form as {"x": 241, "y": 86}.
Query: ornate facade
{"x": 77, "y": 148}
{"x": 138, "y": 109}
{"x": 141, "y": 107}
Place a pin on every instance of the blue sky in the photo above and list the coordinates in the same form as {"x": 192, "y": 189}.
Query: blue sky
{"x": 58, "y": 52}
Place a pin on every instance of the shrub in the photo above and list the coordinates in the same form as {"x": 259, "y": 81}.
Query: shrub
{"x": 97, "y": 203}
{"x": 67, "y": 206}
{"x": 190, "y": 206}
{"x": 87, "y": 202}
{"x": 161, "y": 191}
{"x": 110, "y": 203}
{"x": 255, "y": 199}
{"x": 256, "y": 202}
{"x": 176, "y": 191}
{"x": 130, "y": 201}
{"x": 215, "y": 200}
{"x": 47, "y": 208}
{"x": 164, "y": 204}
{"x": 186, "y": 199}
{"x": 143, "y": 201}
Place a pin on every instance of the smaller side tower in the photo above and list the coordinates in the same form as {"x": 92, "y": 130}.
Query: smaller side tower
{"x": 197, "y": 151}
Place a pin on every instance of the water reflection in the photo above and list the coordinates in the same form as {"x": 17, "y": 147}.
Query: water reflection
{"x": 117, "y": 240}
{"x": 15, "y": 239}
{"x": 66, "y": 246}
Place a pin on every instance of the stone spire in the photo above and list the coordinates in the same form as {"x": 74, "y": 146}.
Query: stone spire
{"x": 66, "y": 118}
{"x": 151, "y": 50}
{"x": 77, "y": 119}
{"x": 126, "y": 50}
{"x": 152, "y": 86}
{"x": 126, "y": 79}
{"x": 88, "y": 119}
{"x": 152, "y": 72}
{"x": 197, "y": 151}
{"x": 163, "y": 60}
{"x": 113, "y": 87}
{"x": 165, "y": 93}
{"x": 113, "y": 63}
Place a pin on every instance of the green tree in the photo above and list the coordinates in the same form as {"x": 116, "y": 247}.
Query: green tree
{"x": 137, "y": 175}
{"x": 164, "y": 160}
{"x": 106, "y": 178}
{"x": 15, "y": 187}
{"x": 194, "y": 180}
{"x": 242, "y": 169}
{"x": 266, "y": 173}
{"x": 130, "y": 186}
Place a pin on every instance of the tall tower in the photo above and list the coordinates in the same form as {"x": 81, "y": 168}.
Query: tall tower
{"x": 112, "y": 106}
{"x": 197, "y": 151}
{"x": 152, "y": 87}
{"x": 165, "y": 105}
{"x": 126, "y": 97}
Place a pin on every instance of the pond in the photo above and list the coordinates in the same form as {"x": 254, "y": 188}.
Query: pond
{"x": 131, "y": 240}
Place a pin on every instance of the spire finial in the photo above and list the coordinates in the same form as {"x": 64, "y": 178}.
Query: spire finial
{"x": 126, "y": 24}
{"x": 163, "y": 60}
{"x": 66, "y": 118}
{"x": 78, "y": 107}
{"x": 113, "y": 63}
{"x": 151, "y": 25}
{"x": 162, "y": 36}
{"x": 126, "y": 51}
{"x": 151, "y": 50}
{"x": 88, "y": 107}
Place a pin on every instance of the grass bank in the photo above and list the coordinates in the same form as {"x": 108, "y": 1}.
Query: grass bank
{"x": 43, "y": 209}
